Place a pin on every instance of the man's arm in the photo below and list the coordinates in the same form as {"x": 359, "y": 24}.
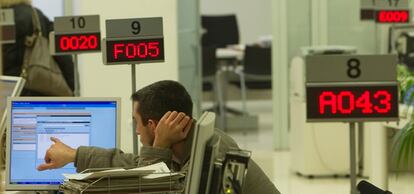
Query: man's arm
{"x": 95, "y": 157}
{"x": 59, "y": 154}
{"x": 172, "y": 128}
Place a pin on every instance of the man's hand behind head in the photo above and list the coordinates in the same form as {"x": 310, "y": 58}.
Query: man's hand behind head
{"x": 172, "y": 128}
{"x": 58, "y": 155}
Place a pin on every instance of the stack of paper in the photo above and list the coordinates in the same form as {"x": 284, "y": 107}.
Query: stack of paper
{"x": 152, "y": 178}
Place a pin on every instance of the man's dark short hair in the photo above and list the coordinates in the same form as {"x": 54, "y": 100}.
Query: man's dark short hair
{"x": 160, "y": 97}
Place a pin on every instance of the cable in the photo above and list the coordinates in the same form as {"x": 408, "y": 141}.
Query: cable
{"x": 236, "y": 184}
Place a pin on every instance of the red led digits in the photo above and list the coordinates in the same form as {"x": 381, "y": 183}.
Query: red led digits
{"x": 136, "y": 50}
{"x": 327, "y": 99}
{"x": 364, "y": 103}
{"x": 153, "y": 49}
{"x": 78, "y": 42}
{"x": 346, "y": 102}
{"x": 343, "y": 97}
{"x": 385, "y": 101}
{"x": 393, "y": 16}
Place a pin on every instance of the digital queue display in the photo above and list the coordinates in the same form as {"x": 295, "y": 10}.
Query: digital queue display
{"x": 133, "y": 41}
{"x": 7, "y": 26}
{"x": 75, "y": 35}
{"x": 392, "y": 16}
{"x": 352, "y": 102}
{"x": 135, "y": 50}
{"x": 358, "y": 88}
{"x": 77, "y": 42}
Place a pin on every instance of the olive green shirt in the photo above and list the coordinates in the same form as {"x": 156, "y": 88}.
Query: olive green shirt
{"x": 93, "y": 157}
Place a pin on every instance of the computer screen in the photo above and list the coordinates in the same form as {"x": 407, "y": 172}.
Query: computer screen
{"x": 10, "y": 87}
{"x": 202, "y": 133}
{"x": 75, "y": 121}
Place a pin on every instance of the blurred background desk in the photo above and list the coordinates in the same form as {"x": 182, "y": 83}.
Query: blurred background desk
{"x": 227, "y": 62}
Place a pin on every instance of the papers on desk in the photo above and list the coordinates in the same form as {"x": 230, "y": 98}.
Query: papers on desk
{"x": 152, "y": 178}
{"x": 121, "y": 172}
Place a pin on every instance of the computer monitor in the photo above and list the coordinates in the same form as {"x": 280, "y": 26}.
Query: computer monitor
{"x": 202, "y": 133}
{"x": 75, "y": 121}
{"x": 10, "y": 87}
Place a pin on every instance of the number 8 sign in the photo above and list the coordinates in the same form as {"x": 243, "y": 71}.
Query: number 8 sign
{"x": 353, "y": 90}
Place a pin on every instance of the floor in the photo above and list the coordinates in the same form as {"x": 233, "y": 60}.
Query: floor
{"x": 276, "y": 164}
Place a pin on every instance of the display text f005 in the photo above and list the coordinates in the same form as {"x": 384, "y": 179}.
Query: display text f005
{"x": 135, "y": 50}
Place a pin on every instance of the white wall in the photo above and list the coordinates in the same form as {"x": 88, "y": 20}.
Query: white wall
{"x": 98, "y": 80}
{"x": 254, "y": 16}
{"x": 51, "y": 9}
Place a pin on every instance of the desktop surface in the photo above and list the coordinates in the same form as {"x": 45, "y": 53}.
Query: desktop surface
{"x": 79, "y": 122}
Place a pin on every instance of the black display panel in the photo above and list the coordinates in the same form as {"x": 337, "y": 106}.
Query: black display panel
{"x": 77, "y": 42}
{"x": 352, "y": 103}
{"x": 135, "y": 50}
{"x": 8, "y": 33}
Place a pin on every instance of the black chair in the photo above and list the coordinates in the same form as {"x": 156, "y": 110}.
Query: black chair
{"x": 256, "y": 72}
{"x": 211, "y": 81}
{"x": 209, "y": 68}
{"x": 221, "y": 30}
{"x": 257, "y": 68}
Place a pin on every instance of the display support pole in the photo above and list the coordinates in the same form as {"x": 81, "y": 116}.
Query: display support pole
{"x": 353, "y": 161}
{"x": 76, "y": 75}
{"x": 134, "y": 125}
{"x": 361, "y": 155}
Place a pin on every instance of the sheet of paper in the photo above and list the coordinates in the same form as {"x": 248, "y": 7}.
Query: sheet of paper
{"x": 155, "y": 176}
{"x": 140, "y": 171}
{"x": 77, "y": 176}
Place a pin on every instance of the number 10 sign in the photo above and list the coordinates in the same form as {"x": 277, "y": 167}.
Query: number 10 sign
{"x": 75, "y": 35}
{"x": 351, "y": 88}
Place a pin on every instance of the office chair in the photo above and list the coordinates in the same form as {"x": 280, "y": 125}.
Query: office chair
{"x": 209, "y": 68}
{"x": 256, "y": 72}
{"x": 211, "y": 80}
{"x": 257, "y": 69}
{"x": 221, "y": 30}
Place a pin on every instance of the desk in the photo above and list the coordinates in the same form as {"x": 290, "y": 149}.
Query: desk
{"x": 231, "y": 52}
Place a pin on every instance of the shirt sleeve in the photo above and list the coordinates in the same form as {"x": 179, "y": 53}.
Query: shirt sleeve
{"x": 151, "y": 155}
{"x": 94, "y": 157}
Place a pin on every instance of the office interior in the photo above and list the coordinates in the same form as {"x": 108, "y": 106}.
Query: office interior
{"x": 263, "y": 110}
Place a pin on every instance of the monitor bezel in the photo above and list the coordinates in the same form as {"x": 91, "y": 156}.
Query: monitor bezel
{"x": 16, "y": 92}
{"x": 204, "y": 130}
{"x": 36, "y": 187}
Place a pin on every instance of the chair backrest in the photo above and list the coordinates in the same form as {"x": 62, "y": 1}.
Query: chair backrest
{"x": 209, "y": 61}
{"x": 257, "y": 60}
{"x": 221, "y": 30}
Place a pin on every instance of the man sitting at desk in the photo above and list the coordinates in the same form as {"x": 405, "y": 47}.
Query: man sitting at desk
{"x": 163, "y": 134}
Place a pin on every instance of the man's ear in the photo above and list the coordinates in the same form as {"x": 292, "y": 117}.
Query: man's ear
{"x": 152, "y": 124}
